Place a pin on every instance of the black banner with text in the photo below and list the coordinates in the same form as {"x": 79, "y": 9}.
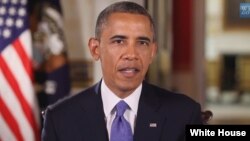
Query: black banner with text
{"x": 235, "y": 132}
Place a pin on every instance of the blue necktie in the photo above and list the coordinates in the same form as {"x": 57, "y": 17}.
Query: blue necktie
{"x": 120, "y": 129}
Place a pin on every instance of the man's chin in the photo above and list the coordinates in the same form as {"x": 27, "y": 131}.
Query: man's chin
{"x": 128, "y": 86}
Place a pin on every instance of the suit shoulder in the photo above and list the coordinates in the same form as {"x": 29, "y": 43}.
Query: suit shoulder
{"x": 72, "y": 100}
{"x": 183, "y": 109}
{"x": 171, "y": 96}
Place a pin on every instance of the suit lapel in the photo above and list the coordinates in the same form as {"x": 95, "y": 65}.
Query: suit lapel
{"x": 93, "y": 109}
{"x": 149, "y": 122}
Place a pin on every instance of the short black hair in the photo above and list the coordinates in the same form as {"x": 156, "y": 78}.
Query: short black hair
{"x": 122, "y": 7}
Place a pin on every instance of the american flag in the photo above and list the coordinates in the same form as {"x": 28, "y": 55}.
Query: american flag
{"x": 19, "y": 113}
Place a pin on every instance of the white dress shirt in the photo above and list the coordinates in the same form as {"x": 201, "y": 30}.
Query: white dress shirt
{"x": 109, "y": 100}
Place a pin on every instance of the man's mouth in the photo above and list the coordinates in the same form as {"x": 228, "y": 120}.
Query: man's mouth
{"x": 129, "y": 71}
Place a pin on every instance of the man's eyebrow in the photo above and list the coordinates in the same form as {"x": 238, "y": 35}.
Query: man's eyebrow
{"x": 118, "y": 37}
{"x": 144, "y": 38}
{"x": 124, "y": 37}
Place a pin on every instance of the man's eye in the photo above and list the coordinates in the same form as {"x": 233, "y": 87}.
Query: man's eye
{"x": 118, "y": 41}
{"x": 145, "y": 43}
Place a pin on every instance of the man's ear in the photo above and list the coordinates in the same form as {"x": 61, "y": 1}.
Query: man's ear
{"x": 94, "y": 48}
{"x": 154, "y": 51}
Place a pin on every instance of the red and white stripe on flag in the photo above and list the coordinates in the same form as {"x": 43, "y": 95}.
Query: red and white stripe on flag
{"x": 19, "y": 113}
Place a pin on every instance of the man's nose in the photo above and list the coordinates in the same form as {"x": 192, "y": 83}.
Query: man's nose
{"x": 131, "y": 52}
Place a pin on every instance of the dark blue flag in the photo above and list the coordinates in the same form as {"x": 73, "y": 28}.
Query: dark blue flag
{"x": 50, "y": 54}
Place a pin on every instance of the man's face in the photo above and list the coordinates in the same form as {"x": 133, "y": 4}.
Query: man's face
{"x": 125, "y": 49}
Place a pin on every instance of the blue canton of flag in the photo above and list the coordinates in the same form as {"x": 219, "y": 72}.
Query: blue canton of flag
{"x": 13, "y": 20}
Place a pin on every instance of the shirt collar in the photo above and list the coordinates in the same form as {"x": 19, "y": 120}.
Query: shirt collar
{"x": 110, "y": 99}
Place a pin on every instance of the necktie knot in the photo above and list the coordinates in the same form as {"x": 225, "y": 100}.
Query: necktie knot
{"x": 121, "y": 108}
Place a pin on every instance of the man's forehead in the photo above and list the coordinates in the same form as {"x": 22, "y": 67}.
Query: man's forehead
{"x": 119, "y": 20}
{"x": 127, "y": 18}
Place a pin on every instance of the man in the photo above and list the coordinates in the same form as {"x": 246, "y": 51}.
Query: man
{"x": 125, "y": 43}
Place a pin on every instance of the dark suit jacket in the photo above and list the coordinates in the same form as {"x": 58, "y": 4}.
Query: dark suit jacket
{"x": 81, "y": 117}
